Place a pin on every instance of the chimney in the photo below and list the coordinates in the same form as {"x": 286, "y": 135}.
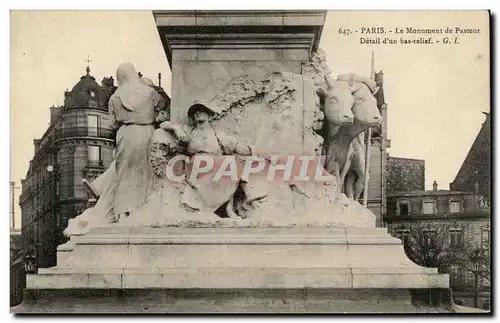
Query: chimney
{"x": 67, "y": 98}
{"x": 476, "y": 181}
{"x": 36, "y": 143}
{"x": 55, "y": 112}
{"x": 435, "y": 186}
{"x": 379, "y": 77}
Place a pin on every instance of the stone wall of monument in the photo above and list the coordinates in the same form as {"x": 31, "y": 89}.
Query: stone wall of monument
{"x": 194, "y": 80}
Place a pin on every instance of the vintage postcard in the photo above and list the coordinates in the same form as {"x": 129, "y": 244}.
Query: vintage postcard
{"x": 272, "y": 161}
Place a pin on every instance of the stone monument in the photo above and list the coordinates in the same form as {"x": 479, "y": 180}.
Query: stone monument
{"x": 273, "y": 247}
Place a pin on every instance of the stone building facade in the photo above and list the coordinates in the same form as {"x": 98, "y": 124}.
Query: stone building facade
{"x": 78, "y": 144}
{"x": 378, "y": 158}
{"x": 17, "y": 275}
{"x": 467, "y": 215}
{"x": 405, "y": 175}
{"x": 16, "y": 244}
{"x": 474, "y": 174}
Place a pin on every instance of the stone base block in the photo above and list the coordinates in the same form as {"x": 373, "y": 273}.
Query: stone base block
{"x": 172, "y": 301}
{"x": 235, "y": 270}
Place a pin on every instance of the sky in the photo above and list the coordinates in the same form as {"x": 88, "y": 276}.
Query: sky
{"x": 435, "y": 94}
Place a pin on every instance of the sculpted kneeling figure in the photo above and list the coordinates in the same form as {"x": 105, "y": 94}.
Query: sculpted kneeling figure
{"x": 202, "y": 195}
{"x": 189, "y": 197}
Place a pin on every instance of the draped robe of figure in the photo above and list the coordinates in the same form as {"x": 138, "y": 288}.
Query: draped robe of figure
{"x": 164, "y": 202}
{"x": 102, "y": 212}
{"x": 132, "y": 109}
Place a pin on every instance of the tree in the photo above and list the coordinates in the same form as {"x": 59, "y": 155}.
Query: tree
{"x": 476, "y": 260}
{"x": 432, "y": 246}
{"x": 442, "y": 246}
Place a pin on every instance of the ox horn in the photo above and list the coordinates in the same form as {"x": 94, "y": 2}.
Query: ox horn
{"x": 327, "y": 81}
{"x": 351, "y": 79}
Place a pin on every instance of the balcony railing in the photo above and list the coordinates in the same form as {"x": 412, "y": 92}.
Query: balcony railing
{"x": 411, "y": 215}
{"x": 95, "y": 163}
{"x": 25, "y": 193}
{"x": 45, "y": 145}
{"x": 83, "y": 132}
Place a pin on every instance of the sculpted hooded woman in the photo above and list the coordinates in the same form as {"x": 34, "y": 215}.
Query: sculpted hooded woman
{"x": 132, "y": 108}
{"x": 103, "y": 187}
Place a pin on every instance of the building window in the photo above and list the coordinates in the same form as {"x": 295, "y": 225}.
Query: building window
{"x": 93, "y": 124}
{"x": 429, "y": 207}
{"x": 429, "y": 238}
{"x": 458, "y": 276}
{"x": 456, "y": 238}
{"x": 485, "y": 237}
{"x": 482, "y": 202}
{"x": 94, "y": 155}
{"x": 453, "y": 272}
{"x": 403, "y": 208}
{"x": 463, "y": 275}
{"x": 455, "y": 206}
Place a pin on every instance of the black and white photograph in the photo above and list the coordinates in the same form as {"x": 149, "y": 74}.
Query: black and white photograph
{"x": 250, "y": 162}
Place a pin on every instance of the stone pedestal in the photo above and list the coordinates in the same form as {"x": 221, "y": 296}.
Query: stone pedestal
{"x": 206, "y": 49}
{"x": 239, "y": 268}
{"x": 329, "y": 270}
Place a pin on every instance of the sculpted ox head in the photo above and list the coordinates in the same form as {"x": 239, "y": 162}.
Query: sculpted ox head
{"x": 338, "y": 102}
{"x": 365, "y": 108}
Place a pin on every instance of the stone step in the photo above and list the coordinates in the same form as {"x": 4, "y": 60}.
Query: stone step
{"x": 334, "y": 248}
{"x": 190, "y": 301}
{"x": 235, "y": 278}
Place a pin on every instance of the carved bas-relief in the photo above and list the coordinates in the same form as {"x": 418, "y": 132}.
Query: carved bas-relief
{"x": 344, "y": 139}
{"x": 286, "y": 124}
{"x": 276, "y": 103}
{"x": 366, "y": 115}
{"x": 278, "y": 114}
{"x": 340, "y": 133}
